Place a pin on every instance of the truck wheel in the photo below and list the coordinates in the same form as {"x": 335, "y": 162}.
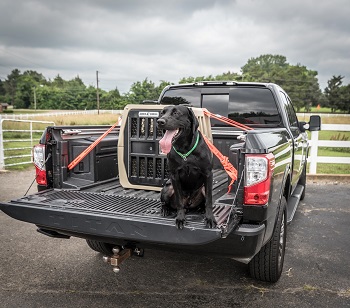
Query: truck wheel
{"x": 104, "y": 248}
{"x": 268, "y": 262}
{"x": 302, "y": 181}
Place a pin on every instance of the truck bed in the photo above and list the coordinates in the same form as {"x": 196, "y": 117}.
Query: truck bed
{"x": 110, "y": 211}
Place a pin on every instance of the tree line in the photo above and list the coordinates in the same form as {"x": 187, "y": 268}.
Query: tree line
{"x": 31, "y": 90}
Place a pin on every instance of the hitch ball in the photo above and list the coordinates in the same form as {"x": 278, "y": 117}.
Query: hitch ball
{"x": 116, "y": 250}
{"x": 116, "y": 269}
{"x": 106, "y": 259}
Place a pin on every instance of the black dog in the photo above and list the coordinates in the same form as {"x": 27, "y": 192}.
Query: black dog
{"x": 189, "y": 165}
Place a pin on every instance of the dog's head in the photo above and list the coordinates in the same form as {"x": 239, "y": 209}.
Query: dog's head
{"x": 178, "y": 122}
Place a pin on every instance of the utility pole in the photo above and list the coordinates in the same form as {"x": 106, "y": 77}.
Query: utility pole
{"x": 97, "y": 96}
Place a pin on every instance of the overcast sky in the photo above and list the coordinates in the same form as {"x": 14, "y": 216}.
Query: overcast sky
{"x": 129, "y": 40}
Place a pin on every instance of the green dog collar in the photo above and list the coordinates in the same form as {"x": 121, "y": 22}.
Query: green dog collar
{"x": 184, "y": 156}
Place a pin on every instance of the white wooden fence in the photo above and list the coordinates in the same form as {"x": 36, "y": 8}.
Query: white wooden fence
{"x": 314, "y": 159}
{"x": 316, "y": 143}
{"x": 26, "y": 116}
{"x": 27, "y": 149}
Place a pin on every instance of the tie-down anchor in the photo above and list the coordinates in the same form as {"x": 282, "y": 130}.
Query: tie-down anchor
{"x": 120, "y": 254}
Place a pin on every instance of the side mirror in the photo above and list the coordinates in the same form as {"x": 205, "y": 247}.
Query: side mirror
{"x": 315, "y": 123}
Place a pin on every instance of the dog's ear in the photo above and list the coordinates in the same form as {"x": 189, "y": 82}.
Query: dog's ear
{"x": 194, "y": 121}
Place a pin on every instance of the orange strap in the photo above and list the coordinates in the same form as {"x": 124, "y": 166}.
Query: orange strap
{"x": 230, "y": 170}
{"x": 226, "y": 120}
{"x": 90, "y": 147}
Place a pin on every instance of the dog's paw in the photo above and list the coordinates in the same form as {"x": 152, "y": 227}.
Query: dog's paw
{"x": 210, "y": 222}
{"x": 180, "y": 220}
{"x": 180, "y": 223}
{"x": 164, "y": 212}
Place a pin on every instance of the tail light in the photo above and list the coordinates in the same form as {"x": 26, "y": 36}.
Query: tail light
{"x": 39, "y": 162}
{"x": 258, "y": 173}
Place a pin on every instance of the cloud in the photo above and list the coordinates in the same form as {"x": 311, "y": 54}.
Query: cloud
{"x": 127, "y": 41}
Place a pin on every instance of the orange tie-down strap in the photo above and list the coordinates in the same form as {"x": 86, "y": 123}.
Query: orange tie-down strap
{"x": 230, "y": 170}
{"x": 226, "y": 120}
{"x": 82, "y": 155}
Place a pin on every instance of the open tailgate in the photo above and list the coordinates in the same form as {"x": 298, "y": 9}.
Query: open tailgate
{"x": 113, "y": 216}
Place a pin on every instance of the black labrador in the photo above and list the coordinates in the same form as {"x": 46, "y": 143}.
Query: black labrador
{"x": 189, "y": 164}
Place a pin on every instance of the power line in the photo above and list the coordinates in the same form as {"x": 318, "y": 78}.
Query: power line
{"x": 20, "y": 57}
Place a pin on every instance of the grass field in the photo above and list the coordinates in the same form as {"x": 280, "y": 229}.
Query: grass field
{"x": 321, "y": 110}
{"x": 109, "y": 119}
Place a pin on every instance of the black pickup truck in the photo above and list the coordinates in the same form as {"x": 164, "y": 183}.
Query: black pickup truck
{"x": 111, "y": 197}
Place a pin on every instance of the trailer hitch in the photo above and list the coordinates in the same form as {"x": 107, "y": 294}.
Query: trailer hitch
{"x": 120, "y": 254}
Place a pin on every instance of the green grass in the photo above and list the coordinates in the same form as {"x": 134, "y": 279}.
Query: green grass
{"x": 323, "y": 168}
{"x": 25, "y": 111}
{"x": 334, "y": 152}
{"x": 320, "y": 110}
{"x": 333, "y": 135}
{"x": 332, "y": 168}
{"x": 8, "y": 146}
{"x": 334, "y": 119}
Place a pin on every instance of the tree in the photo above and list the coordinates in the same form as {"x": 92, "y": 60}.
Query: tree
{"x": 300, "y": 83}
{"x": 2, "y": 90}
{"x": 38, "y": 78}
{"x": 264, "y": 68}
{"x": 333, "y": 92}
{"x": 302, "y": 86}
{"x": 229, "y": 76}
{"x": 11, "y": 86}
{"x": 145, "y": 90}
{"x": 111, "y": 100}
{"x": 58, "y": 82}
{"x": 344, "y": 103}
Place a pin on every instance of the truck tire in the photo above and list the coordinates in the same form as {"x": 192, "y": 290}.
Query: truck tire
{"x": 267, "y": 264}
{"x": 104, "y": 248}
{"x": 302, "y": 181}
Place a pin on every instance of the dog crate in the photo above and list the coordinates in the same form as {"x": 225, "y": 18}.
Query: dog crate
{"x": 141, "y": 163}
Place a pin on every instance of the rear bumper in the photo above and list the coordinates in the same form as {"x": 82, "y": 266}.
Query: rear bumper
{"x": 247, "y": 240}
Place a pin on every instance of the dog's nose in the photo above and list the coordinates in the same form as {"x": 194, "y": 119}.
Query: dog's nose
{"x": 161, "y": 122}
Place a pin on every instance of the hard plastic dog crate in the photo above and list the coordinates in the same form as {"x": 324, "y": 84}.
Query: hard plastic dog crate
{"x": 141, "y": 163}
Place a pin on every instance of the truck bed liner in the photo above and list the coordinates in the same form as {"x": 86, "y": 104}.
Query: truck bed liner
{"x": 109, "y": 210}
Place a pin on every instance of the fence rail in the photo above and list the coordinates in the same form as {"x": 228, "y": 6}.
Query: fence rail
{"x": 9, "y": 149}
{"x": 313, "y": 159}
{"x": 57, "y": 113}
{"x": 316, "y": 143}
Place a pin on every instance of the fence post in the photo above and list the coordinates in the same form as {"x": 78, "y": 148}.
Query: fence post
{"x": 313, "y": 152}
{"x": 2, "y": 155}
{"x": 31, "y": 134}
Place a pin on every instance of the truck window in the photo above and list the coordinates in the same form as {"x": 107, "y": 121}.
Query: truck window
{"x": 218, "y": 104}
{"x": 253, "y": 106}
{"x": 292, "y": 117}
{"x": 182, "y": 96}
{"x": 247, "y": 105}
